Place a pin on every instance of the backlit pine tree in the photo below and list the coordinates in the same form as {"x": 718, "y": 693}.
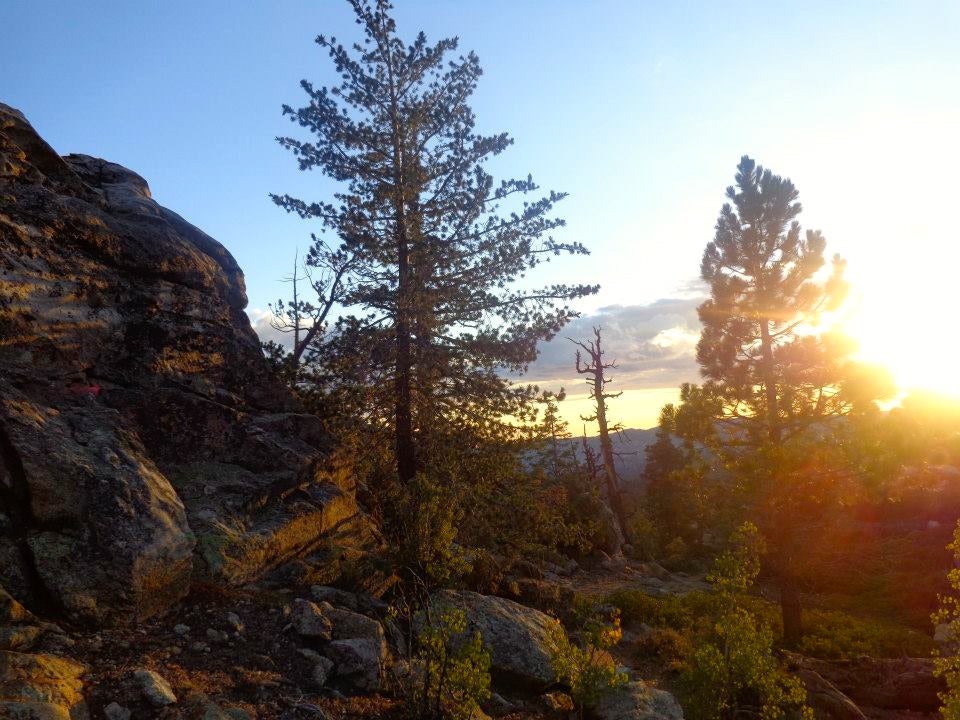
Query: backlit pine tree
{"x": 775, "y": 385}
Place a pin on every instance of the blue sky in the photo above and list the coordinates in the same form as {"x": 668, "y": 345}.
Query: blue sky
{"x": 640, "y": 110}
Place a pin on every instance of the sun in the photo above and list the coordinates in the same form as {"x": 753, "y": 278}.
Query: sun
{"x": 908, "y": 329}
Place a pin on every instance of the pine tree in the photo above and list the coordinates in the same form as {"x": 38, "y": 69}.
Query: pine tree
{"x": 437, "y": 249}
{"x": 774, "y": 385}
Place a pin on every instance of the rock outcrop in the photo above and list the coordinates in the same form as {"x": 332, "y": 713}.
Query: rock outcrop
{"x": 882, "y": 684}
{"x": 143, "y": 440}
{"x": 638, "y": 701}
{"x": 519, "y": 638}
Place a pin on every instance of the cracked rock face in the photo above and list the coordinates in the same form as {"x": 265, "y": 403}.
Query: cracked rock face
{"x": 142, "y": 437}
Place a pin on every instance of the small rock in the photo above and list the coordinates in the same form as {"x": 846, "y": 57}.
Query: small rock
{"x": 334, "y": 596}
{"x": 558, "y": 701}
{"x": 154, "y": 688}
{"x": 321, "y": 672}
{"x": 943, "y": 634}
{"x": 309, "y": 621}
{"x": 360, "y": 660}
{"x": 181, "y": 629}
{"x": 657, "y": 570}
{"x": 614, "y": 564}
{"x": 311, "y": 655}
{"x": 348, "y": 624}
{"x": 238, "y": 713}
{"x": 19, "y": 637}
{"x": 215, "y": 635}
{"x": 113, "y": 711}
{"x": 234, "y": 621}
{"x": 199, "y": 647}
{"x": 499, "y": 705}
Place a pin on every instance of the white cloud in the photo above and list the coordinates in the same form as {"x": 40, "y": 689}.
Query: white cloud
{"x": 654, "y": 345}
{"x": 260, "y": 319}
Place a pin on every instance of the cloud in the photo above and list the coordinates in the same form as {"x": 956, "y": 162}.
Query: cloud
{"x": 654, "y": 346}
{"x": 260, "y": 320}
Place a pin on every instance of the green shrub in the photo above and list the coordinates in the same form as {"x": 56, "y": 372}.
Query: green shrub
{"x": 833, "y": 635}
{"x": 587, "y": 667}
{"x": 736, "y": 672}
{"x": 670, "y": 646}
{"x": 676, "y": 553}
{"x": 452, "y": 673}
{"x": 674, "y": 611}
{"x": 947, "y": 665}
{"x": 734, "y": 669}
{"x": 644, "y": 536}
{"x": 428, "y": 513}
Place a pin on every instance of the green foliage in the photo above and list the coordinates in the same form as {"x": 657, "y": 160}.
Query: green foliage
{"x": 834, "y": 635}
{"x": 452, "y": 672}
{"x": 644, "y": 535}
{"x": 677, "y": 554}
{"x": 672, "y": 611}
{"x": 737, "y": 669}
{"x": 947, "y": 664}
{"x": 775, "y": 380}
{"x": 422, "y": 250}
{"x": 424, "y": 524}
{"x": 734, "y": 667}
{"x": 671, "y": 647}
{"x": 735, "y": 571}
{"x": 830, "y": 634}
{"x": 587, "y": 667}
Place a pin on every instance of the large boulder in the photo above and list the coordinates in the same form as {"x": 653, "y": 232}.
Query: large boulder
{"x": 637, "y": 701}
{"x": 41, "y": 687}
{"x": 359, "y": 662}
{"x": 519, "y": 638}
{"x": 894, "y": 684}
{"x": 143, "y": 439}
{"x": 826, "y": 700}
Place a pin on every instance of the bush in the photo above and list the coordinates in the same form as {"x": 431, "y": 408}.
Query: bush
{"x": 733, "y": 668}
{"x": 427, "y": 516}
{"x": 737, "y": 670}
{"x": 670, "y": 646}
{"x": 679, "y": 612}
{"x": 833, "y": 635}
{"x": 587, "y": 667}
{"x": 644, "y": 536}
{"x": 452, "y": 673}
{"x": 947, "y": 666}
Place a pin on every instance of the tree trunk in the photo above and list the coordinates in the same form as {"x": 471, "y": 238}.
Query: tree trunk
{"x": 613, "y": 487}
{"x": 405, "y": 447}
{"x": 770, "y": 386}
{"x": 614, "y": 535}
{"x": 791, "y": 611}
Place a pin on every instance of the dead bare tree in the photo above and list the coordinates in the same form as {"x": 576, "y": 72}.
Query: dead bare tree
{"x": 596, "y": 379}
{"x": 325, "y": 270}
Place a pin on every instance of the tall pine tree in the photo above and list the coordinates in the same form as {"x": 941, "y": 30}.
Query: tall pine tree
{"x": 436, "y": 250}
{"x": 775, "y": 385}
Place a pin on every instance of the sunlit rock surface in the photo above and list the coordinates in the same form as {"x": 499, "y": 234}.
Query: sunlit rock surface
{"x": 143, "y": 441}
